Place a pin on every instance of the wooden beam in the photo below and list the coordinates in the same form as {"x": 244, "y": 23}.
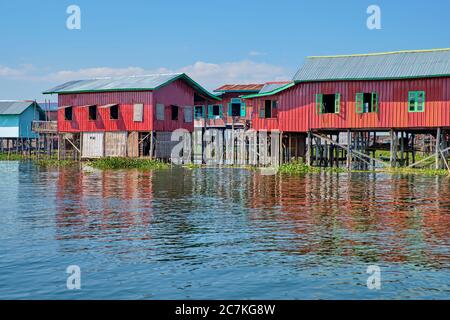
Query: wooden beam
{"x": 75, "y": 147}
{"x": 356, "y": 153}
{"x": 427, "y": 158}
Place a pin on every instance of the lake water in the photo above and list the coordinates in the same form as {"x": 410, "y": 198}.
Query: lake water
{"x": 221, "y": 234}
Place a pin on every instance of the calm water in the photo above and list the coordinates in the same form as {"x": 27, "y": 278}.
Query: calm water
{"x": 221, "y": 234}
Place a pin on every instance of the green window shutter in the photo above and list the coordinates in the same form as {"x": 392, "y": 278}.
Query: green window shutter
{"x": 359, "y": 102}
{"x": 230, "y": 111}
{"x": 210, "y": 111}
{"x": 337, "y": 103}
{"x": 203, "y": 112}
{"x": 243, "y": 110}
{"x": 374, "y": 102}
{"x": 220, "y": 111}
{"x": 319, "y": 103}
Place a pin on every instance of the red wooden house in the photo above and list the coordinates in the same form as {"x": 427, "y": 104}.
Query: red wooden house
{"x": 231, "y": 111}
{"x": 409, "y": 89}
{"x": 404, "y": 91}
{"x": 127, "y": 116}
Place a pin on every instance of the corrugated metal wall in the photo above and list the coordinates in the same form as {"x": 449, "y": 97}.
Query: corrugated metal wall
{"x": 116, "y": 144}
{"x": 92, "y": 145}
{"x": 81, "y": 122}
{"x": 297, "y": 106}
{"x": 178, "y": 93}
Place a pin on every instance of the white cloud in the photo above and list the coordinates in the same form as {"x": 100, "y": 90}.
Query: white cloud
{"x": 23, "y": 70}
{"x": 210, "y": 75}
{"x": 256, "y": 53}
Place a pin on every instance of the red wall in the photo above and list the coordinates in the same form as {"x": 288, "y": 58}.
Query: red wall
{"x": 177, "y": 93}
{"x": 297, "y": 106}
{"x": 81, "y": 122}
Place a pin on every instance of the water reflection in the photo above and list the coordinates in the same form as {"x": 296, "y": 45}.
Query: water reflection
{"x": 370, "y": 217}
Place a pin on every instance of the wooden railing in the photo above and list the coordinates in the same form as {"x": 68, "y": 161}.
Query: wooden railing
{"x": 45, "y": 126}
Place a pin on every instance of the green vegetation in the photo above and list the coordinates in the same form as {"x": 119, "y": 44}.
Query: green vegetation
{"x": 428, "y": 172}
{"x": 12, "y": 157}
{"x": 127, "y": 163}
{"x": 192, "y": 166}
{"x": 298, "y": 167}
{"x": 51, "y": 162}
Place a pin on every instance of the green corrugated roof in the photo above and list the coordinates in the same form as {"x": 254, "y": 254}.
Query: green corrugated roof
{"x": 376, "y": 66}
{"x": 276, "y": 90}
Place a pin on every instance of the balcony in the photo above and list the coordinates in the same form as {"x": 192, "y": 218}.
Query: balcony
{"x": 45, "y": 126}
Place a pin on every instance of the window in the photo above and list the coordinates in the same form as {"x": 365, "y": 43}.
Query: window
{"x": 237, "y": 108}
{"x": 328, "y": 103}
{"x": 188, "y": 114}
{"x": 366, "y": 102}
{"x": 215, "y": 111}
{"x": 269, "y": 109}
{"x": 174, "y": 112}
{"x": 199, "y": 112}
{"x": 68, "y": 113}
{"x": 138, "y": 112}
{"x": 160, "y": 111}
{"x": 114, "y": 112}
{"x": 416, "y": 101}
{"x": 92, "y": 113}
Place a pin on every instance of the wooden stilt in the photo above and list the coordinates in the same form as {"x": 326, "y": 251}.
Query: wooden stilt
{"x": 151, "y": 144}
{"x": 349, "y": 149}
{"x": 438, "y": 148}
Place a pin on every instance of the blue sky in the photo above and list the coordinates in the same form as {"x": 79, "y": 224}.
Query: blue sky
{"x": 215, "y": 42}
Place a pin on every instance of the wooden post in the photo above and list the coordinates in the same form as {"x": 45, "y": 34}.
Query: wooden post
{"x": 392, "y": 152}
{"x": 349, "y": 149}
{"x": 59, "y": 147}
{"x": 402, "y": 148}
{"x": 438, "y": 148}
{"x": 309, "y": 149}
{"x": 151, "y": 144}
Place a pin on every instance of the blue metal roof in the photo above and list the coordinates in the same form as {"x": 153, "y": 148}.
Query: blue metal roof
{"x": 14, "y": 107}
{"x": 389, "y": 65}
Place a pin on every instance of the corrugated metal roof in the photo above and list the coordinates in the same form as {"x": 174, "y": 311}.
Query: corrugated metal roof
{"x": 388, "y": 65}
{"x": 279, "y": 89}
{"x": 14, "y": 107}
{"x": 128, "y": 83}
{"x": 271, "y": 86}
{"x": 254, "y": 87}
{"x": 148, "y": 82}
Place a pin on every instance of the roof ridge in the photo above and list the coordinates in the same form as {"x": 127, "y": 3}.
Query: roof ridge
{"x": 131, "y": 76}
{"x": 379, "y": 53}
